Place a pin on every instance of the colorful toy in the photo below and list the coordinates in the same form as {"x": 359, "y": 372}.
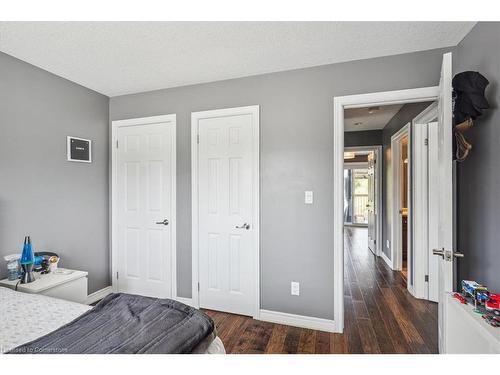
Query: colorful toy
{"x": 479, "y": 293}
{"x": 460, "y": 298}
{"x": 493, "y": 304}
{"x": 492, "y": 320}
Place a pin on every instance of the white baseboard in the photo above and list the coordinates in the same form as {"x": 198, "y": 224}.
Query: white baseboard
{"x": 387, "y": 260}
{"x": 98, "y": 295}
{"x": 186, "y": 301}
{"x": 310, "y": 322}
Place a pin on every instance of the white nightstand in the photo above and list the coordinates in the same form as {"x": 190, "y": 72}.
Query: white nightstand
{"x": 70, "y": 285}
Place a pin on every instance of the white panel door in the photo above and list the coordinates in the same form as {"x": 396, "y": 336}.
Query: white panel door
{"x": 445, "y": 191}
{"x": 145, "y": 161}
{"x": 226, "y": 206}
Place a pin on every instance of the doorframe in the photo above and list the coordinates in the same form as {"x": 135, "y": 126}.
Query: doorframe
{"x": 252, "y": 110}
{"x": 339, "y": 104}
{"x": 377, "y": 149}
{"x": 421, "y": 217}
{"x": 396, "y": 193}
{"x": 171, "y": 118}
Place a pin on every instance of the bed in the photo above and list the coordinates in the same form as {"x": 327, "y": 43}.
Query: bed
{"x": 31, "y": 321}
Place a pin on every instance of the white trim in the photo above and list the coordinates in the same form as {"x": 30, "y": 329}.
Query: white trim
{"x": 377, "y": 149}
{"x": 186, "y": 301}
{"x": 387, "y": 260}
{"x": 98, "y": 295}
{"x": 396, "y": 228}
{"x": 339, "y": 104}
{"x": 310, "y": 322}
{"x": 171, "y": 118}
{"x": 429, "y": 114}
{"x": 195, "y": 117}
{"x": 68, "y": 149}
{"x": 420, "y": 199}
{"x": 419, "y": 202}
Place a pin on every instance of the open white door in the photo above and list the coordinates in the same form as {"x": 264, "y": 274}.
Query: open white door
{"x": 445, "y": 209}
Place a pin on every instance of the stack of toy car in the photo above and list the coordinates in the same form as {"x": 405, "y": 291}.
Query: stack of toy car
{"x": 485, "y": 303}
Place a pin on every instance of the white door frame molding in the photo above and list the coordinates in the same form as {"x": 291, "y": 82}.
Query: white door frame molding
{"x": 195, "y": 117}
{"x": 377, "y": 149}
{"x": 171, "y": 119}
{"x": 420, "y": 199}
{"x": 395, "y": 192}
{"x": 339, "y": 104}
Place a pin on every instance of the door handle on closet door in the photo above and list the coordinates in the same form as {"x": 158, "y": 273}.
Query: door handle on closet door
{"x": 164, "y": 222}
{"x": 244, "y": 226}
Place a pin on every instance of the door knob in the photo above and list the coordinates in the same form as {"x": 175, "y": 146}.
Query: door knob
{"x": 164, "y": 222}
{"x": 439, "y": 252}
{"x": 445, "y": 254}
{"x": 244, "y": 226}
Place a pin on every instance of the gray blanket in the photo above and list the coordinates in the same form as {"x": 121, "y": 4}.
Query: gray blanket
{"x": 125, "y": 323}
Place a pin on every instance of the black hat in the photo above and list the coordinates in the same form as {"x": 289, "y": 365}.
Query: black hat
{"x": 469, "y": 90}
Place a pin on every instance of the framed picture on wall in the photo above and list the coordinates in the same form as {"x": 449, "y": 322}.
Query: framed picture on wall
{"x": 79, "y": 149}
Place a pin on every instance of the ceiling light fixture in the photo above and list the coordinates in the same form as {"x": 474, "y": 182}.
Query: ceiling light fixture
{"x": 358, "y": 123}
{"x": 372, "y": 110}
{"x": 349, "y": 155}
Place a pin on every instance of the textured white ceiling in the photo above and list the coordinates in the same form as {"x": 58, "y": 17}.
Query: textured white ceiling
{"x": 117, "y": 58}
{"x": 369, "y": 121}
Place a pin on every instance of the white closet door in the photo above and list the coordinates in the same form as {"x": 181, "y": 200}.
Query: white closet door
{"x": 145, "y": 204}
{"x": 226, "y": 206}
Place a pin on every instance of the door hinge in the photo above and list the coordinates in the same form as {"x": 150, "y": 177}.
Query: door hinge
{"x": 426, "y": 141}
{"x": 198, "y": 287}
{"x": 374, "y": 242}
{"x": 117, "y": 143}
{"x": 198, "y": 138}
{"x": 426, "y": 278}
{"x": 117, "y": 274}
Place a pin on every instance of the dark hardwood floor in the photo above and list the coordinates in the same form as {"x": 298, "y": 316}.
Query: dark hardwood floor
{"x": 380, "y": 315}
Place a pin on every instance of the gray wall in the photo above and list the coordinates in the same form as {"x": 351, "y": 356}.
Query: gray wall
{"x": 479, "y": 175}
{"x": 363, "y": 138}
{"x": 296, "y": 155}
{"x": 407, "y": 113}
{"x": 62, "y": 205}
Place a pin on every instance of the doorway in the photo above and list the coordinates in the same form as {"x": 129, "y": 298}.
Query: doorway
{"x": 444, "y": 213}
{"x": 225, "y": 209}
{"x": 363, "y": 192}
{"x": 143, "y": 209}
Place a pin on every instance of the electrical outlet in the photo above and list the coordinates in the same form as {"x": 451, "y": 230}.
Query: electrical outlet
{"x": 308, "y": 197}
{"x": 295, "y": 288}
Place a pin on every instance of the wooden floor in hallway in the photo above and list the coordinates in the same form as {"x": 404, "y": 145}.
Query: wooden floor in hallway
{"x": 380, "y": 315}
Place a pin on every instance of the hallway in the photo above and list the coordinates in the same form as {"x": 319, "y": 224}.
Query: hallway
{"x": 380, "y": 315}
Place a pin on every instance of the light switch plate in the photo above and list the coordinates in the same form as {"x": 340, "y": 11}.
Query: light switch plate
{"x": 295, "y": 288}
{"x": 308, "y": 197}
{"x": 388, "y": 244}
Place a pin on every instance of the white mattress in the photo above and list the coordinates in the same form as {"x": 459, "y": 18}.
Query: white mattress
{"x": 25, "y": 317}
